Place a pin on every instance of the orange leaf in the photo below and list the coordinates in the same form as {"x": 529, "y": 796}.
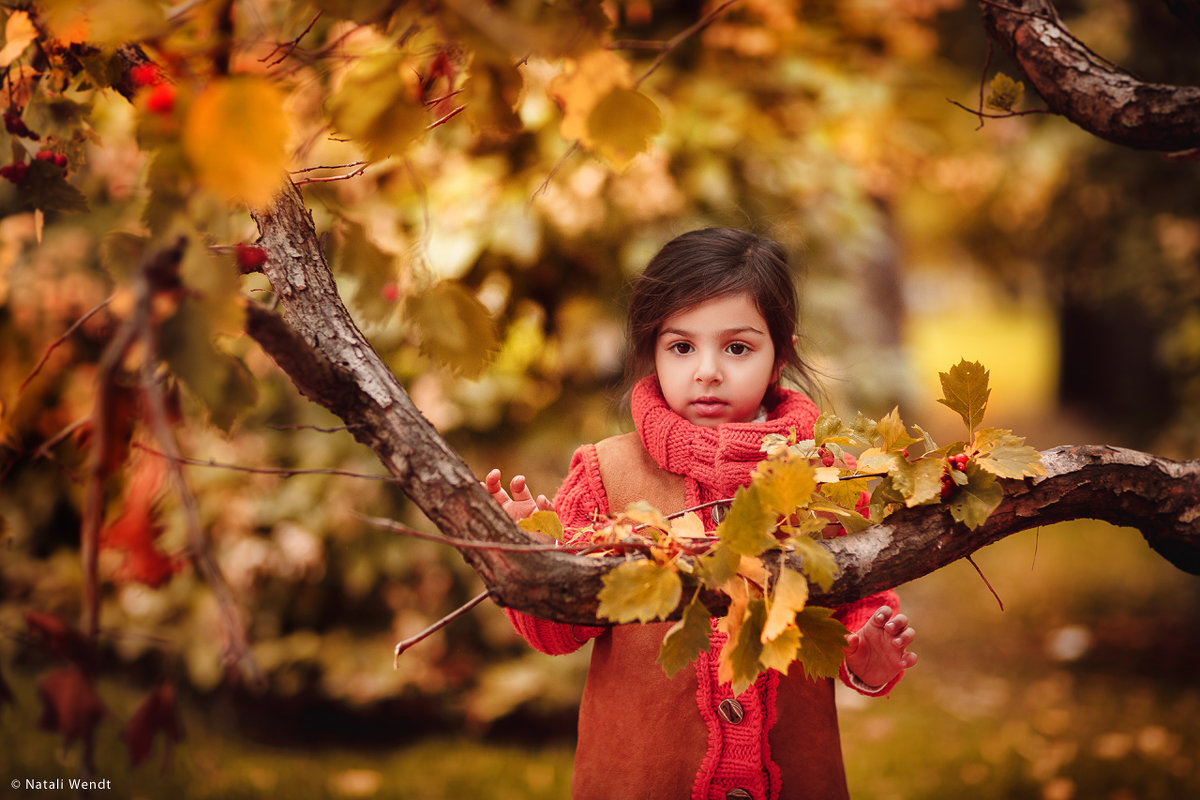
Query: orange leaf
{"x": 138, "y": 527}
{"x": 69, "y": 704}
{"x": 236, "y": 138}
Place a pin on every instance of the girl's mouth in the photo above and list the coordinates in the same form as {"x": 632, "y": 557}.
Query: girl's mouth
{"x": 709, "y": 406}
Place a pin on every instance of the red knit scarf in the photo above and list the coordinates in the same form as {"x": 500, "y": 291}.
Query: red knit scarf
{"x": 720, "y": 458}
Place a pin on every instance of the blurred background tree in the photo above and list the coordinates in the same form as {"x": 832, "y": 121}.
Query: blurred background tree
{"x": 487, "y": 260}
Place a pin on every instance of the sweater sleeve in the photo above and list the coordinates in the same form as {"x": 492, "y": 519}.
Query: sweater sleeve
{"x": 579, "y": 500}
{"x": 854, "y": 616}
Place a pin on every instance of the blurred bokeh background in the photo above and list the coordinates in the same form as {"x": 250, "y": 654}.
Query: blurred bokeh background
{"x": 1068, "y": 266}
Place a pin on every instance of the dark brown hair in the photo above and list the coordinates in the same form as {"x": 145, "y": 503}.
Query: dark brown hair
{"x": 708, "y": 263}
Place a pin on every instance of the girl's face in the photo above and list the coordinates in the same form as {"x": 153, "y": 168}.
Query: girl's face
{"x": 715, "y": 360}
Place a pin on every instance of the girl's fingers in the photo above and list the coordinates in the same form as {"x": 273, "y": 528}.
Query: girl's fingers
{"x": 518, "y": 488}
{"x": 492, "y": 484}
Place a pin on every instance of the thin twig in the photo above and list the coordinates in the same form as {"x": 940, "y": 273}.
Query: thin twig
{"x": 333, "y": 178}
{"x": 665, "y": 49}
{"x": 237, "y": 645}
{"x": 986, "y": 582}
{"x": 999, "y": 116}
{"x": 446, "y": 118}
{"x": 290, "y": 47}
{"x": 332, "y": 166}
{"x": 462, "y": 544}
{"x": 55, "y": 344}
{"x": 437, "y": 626}
{"x": 682, "y": 37}
{"x": 283, "y": 471}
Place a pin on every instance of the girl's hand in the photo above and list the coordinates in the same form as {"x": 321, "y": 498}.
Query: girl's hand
{"x": 521, "y": 503}
{"x": 878, "y": 651}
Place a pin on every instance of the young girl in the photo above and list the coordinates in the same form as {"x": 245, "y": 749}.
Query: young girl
{"x": 712, "y": 329}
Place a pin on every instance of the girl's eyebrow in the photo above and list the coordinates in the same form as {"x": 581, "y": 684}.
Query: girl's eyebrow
{"x": 721, "y": 334}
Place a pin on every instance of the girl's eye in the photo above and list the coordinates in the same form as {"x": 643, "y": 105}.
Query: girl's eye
{"x": 738, "y": 349}
{"x": 680, "y": 348}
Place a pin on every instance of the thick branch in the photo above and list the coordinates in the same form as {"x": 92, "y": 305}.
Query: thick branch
{"x": 317, "y": 344}
{"x": 1076, "y": 83}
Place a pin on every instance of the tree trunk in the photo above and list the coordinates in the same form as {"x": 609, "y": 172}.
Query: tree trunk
{"x": 317, "y": 344}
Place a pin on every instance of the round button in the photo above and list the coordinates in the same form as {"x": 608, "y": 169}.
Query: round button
{"x": 718, "y": 512}
{"x": 731, "y": 711}
{"x": 738, "y": 794}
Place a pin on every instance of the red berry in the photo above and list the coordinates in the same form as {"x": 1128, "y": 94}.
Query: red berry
{"x": 250, "y": 258}
{"x": 16, "y": 126}
{"x": 60, "y": 160}
{"x": 45, "y": 155}
{"x": 390, "y": 292}
{"x": 947, "y": 485}
{"x": 161, "y": 99}
{"x": 145, "y": 75}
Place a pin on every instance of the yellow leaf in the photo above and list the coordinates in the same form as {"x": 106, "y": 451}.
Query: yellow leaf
{"x": 579, "y": 90}
{"x": 18, "y": 33}
{"x": 621, "y": 125}
{"x": 1004, "y": 92}
{"x": 689, "y": 526}
{"x": 779, "y": 653}
{"x": 788, "y": 599}
{"x": 456, "y": 329}
{"x": 235, "y": 138}
{"x": 786, "y": 483}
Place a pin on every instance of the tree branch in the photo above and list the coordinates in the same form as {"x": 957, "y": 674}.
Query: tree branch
{"x": 1077, "y": 84}
{"x": 318, "y": 345}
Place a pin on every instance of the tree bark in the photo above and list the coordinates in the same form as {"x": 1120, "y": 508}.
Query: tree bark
{"x": 316, "y": 343}
{"x": 1077, "y": 84}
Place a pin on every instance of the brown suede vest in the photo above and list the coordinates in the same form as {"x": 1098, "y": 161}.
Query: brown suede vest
{"x": 641, "y": 736}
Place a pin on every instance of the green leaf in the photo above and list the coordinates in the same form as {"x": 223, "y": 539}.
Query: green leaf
{"x": 972, "y": 503}
{"x": 543, "y": 521}
{"x": 851, "y": 520}
{"x": 919, "y": 481}
{"x": 788, "y": 598}
{"x": 824, "y": 639}
{"x": 747, "y": 527}
{"x": 785, "y": 483}
{"x": 1006, "y": 455}
{"x": 965, "y": 391}
{"x": 222, "y": 382}
{"x": 455, "y": 328}
{"x": 1004, "y": 92}
{"x": 686, "y": 639}
{"x": 621, "y": 125}
{"x": 46, "y": 187}
{"x": 743, "y": 658}
{"x": 639, "y": 591}
{"x": 817, "y": 563}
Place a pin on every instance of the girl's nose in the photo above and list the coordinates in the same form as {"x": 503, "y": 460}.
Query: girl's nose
{"x": 708, "y": 370}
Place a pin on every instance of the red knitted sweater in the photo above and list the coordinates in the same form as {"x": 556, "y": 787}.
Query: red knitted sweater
{"x": 714, "y": 463}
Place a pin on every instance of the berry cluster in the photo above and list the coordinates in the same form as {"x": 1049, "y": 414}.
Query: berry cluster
{"x": 161, "y": 99}
{"x": 57, "y": 159}
{"x": 16, "y": 126}
{"x": 16, "y": 172}
{"x": 958, "y": 462}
